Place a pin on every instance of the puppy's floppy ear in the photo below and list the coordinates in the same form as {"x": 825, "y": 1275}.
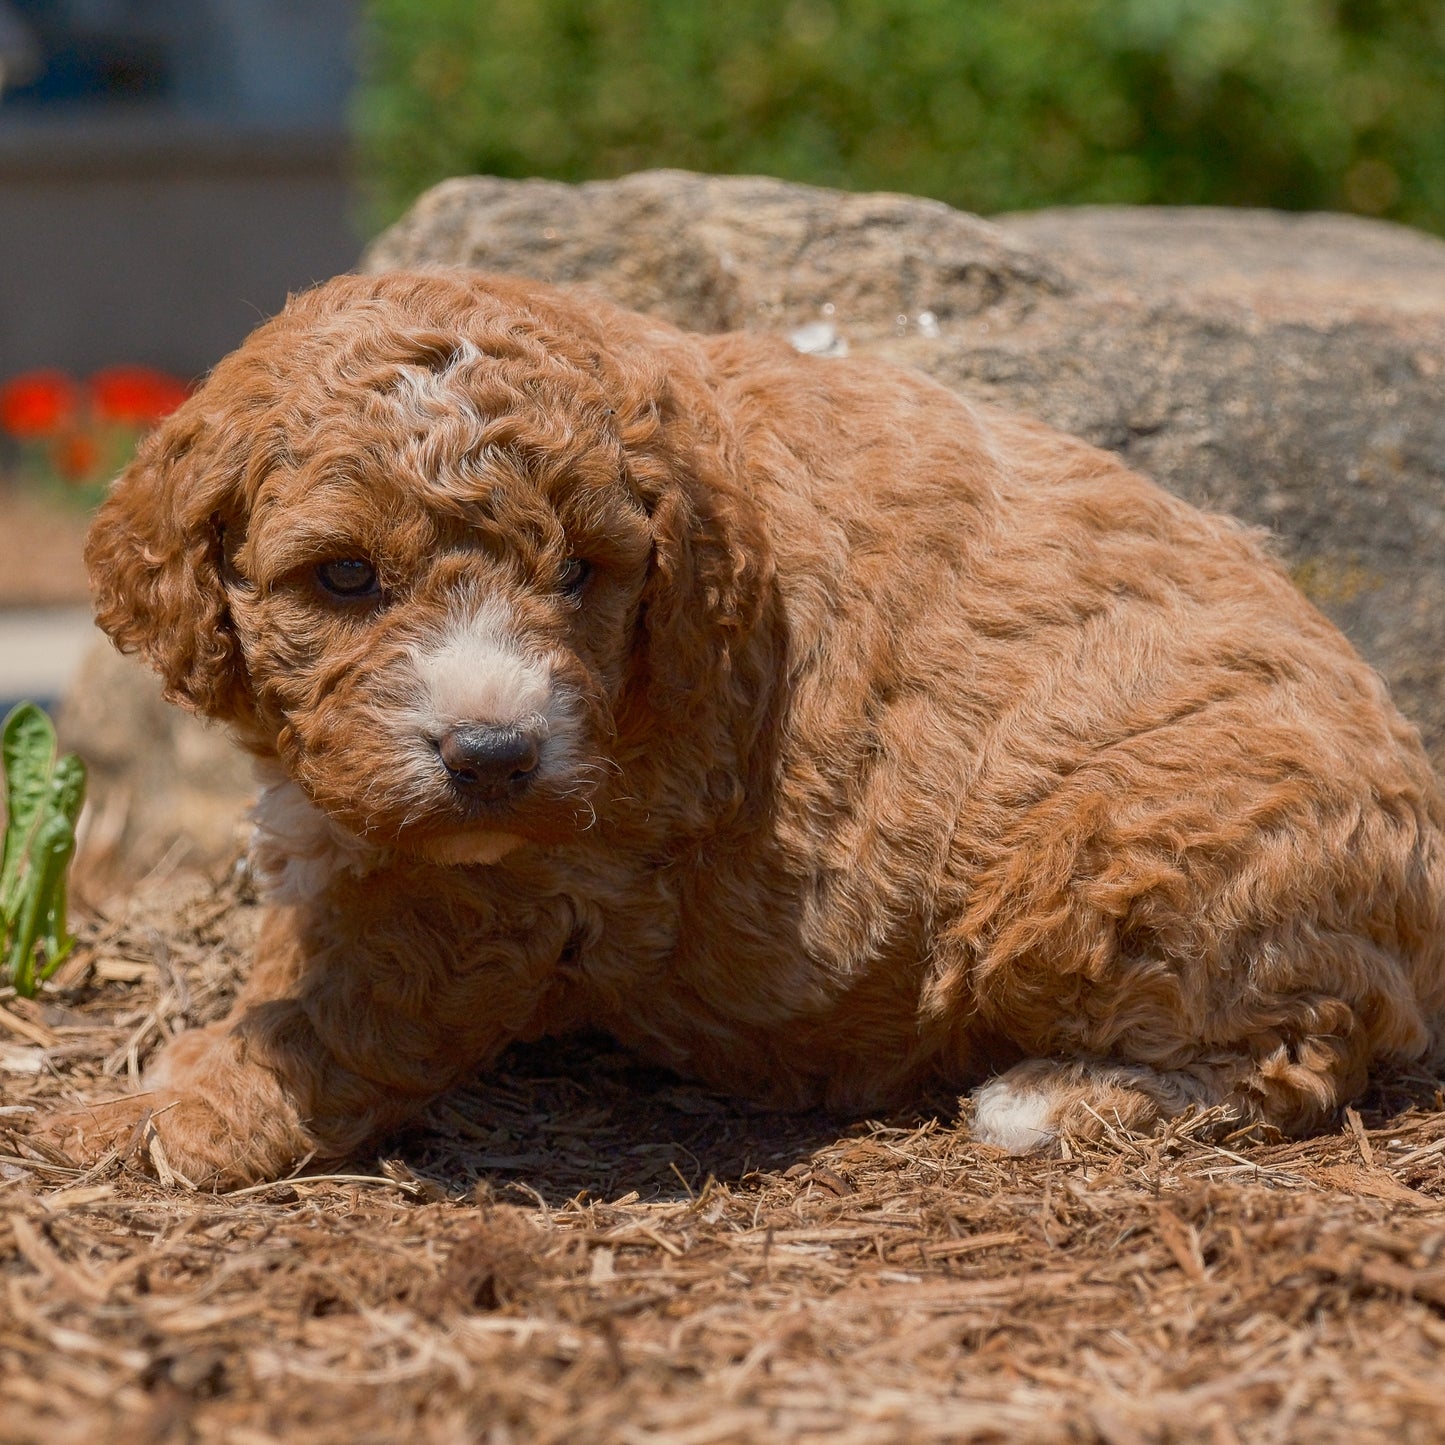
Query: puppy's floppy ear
{"x": 156, "y": 558}
{"x": 708, "y": 606}
{"x": 710, "y": 618}
{"x": 698, "y": 606}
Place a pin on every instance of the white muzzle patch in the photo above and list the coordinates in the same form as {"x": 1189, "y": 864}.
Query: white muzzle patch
{"x": 474, "y": 671}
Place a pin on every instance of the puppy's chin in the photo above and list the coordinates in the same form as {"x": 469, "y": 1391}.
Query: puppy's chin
{"x": 469, "y": 848}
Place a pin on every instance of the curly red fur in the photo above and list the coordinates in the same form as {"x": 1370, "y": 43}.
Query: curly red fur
{"x": 890, "y": 739}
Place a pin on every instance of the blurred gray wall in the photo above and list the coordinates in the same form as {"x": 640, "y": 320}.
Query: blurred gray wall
{"x": 168, "y": 172}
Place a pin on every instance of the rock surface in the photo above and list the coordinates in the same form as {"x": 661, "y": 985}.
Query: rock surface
{"x": 1289, "y": 369}
{"x": 166, "y": 791}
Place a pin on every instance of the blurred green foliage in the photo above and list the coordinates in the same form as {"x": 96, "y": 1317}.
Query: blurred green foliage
{"x": 988, "y": 104}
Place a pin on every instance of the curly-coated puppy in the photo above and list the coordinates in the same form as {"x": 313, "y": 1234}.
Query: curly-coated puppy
{"x": 813, "y": 732}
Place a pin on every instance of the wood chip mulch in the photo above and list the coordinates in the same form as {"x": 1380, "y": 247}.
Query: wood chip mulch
{"x": 578, "y": 1248}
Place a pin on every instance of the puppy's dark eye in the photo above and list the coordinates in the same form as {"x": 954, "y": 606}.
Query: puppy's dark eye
{"x": 572, "y": 577}
{"x": 349, "y": 577}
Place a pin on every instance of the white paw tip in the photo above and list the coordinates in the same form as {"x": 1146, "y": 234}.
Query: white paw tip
{"x": 1010, "y": 1118}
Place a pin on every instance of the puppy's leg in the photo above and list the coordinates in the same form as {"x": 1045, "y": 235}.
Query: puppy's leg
{"x": 1260, "y": 971}
{"x": 1139, "y": 1044}
{"x": 351, "y": 1021}
{"x": 228, "y": 1103}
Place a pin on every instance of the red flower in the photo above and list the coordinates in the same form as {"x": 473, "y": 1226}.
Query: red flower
{"x": 38, "y": 404}
{"x": 135, "y": 395}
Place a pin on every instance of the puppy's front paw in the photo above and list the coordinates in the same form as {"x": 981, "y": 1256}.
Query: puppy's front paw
{"x": 90, "y": 1134}
{"x": 180, "y": 1140}
{"x": 208, "y": 1118}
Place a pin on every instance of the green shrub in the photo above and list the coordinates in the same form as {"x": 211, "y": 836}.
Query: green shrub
{"x": 988, "y": 104}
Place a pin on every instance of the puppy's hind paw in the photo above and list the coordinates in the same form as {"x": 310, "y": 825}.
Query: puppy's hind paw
{"x": 1039, "y": 1101}
{"x": 1013, "y": 1117}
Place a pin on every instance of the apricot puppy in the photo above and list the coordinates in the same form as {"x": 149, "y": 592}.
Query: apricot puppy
{"x": 813, "y": 732}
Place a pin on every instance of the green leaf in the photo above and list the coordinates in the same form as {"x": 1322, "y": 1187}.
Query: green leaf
{"x": 67, "y": 797}
{"x": 55, "y": 939}
{"x": 27, "y": 749}
{"x": 41, "y": 915}
{"x": 66, "y": 794}
{"x": 44, "y": 797}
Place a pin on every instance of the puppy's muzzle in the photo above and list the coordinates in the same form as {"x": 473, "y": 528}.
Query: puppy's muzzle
{"x": 487, "y": 762}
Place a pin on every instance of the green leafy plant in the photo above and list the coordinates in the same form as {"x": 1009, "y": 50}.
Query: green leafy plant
{"x": 43, "y": 797}
{"x": 987, "y": 104}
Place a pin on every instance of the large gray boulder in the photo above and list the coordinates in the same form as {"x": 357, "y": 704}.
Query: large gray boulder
{"x": 1289, "y": 369}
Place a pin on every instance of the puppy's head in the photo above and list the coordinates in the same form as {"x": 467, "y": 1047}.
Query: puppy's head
{"x": 425, "y": 538}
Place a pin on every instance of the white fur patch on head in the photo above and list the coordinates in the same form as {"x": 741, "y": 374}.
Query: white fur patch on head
{"x": 428, "y": 391}
{"x": 296, "y": 850}
{"x": 1019, "y": 1120}
{"x": 475, "y": 671}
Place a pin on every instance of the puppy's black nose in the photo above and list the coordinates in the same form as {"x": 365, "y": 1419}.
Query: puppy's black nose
{"x": 488, "y": 761}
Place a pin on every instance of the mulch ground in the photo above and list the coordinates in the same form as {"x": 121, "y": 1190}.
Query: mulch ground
{"x": 579, "y": 1248}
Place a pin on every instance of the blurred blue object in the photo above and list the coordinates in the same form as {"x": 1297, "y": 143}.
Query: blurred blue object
{"x": 272, "y": 63}
{"x": 19, "y": 53}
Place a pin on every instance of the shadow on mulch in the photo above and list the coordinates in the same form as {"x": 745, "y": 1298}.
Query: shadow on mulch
{"x": 556, "y": 1120}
